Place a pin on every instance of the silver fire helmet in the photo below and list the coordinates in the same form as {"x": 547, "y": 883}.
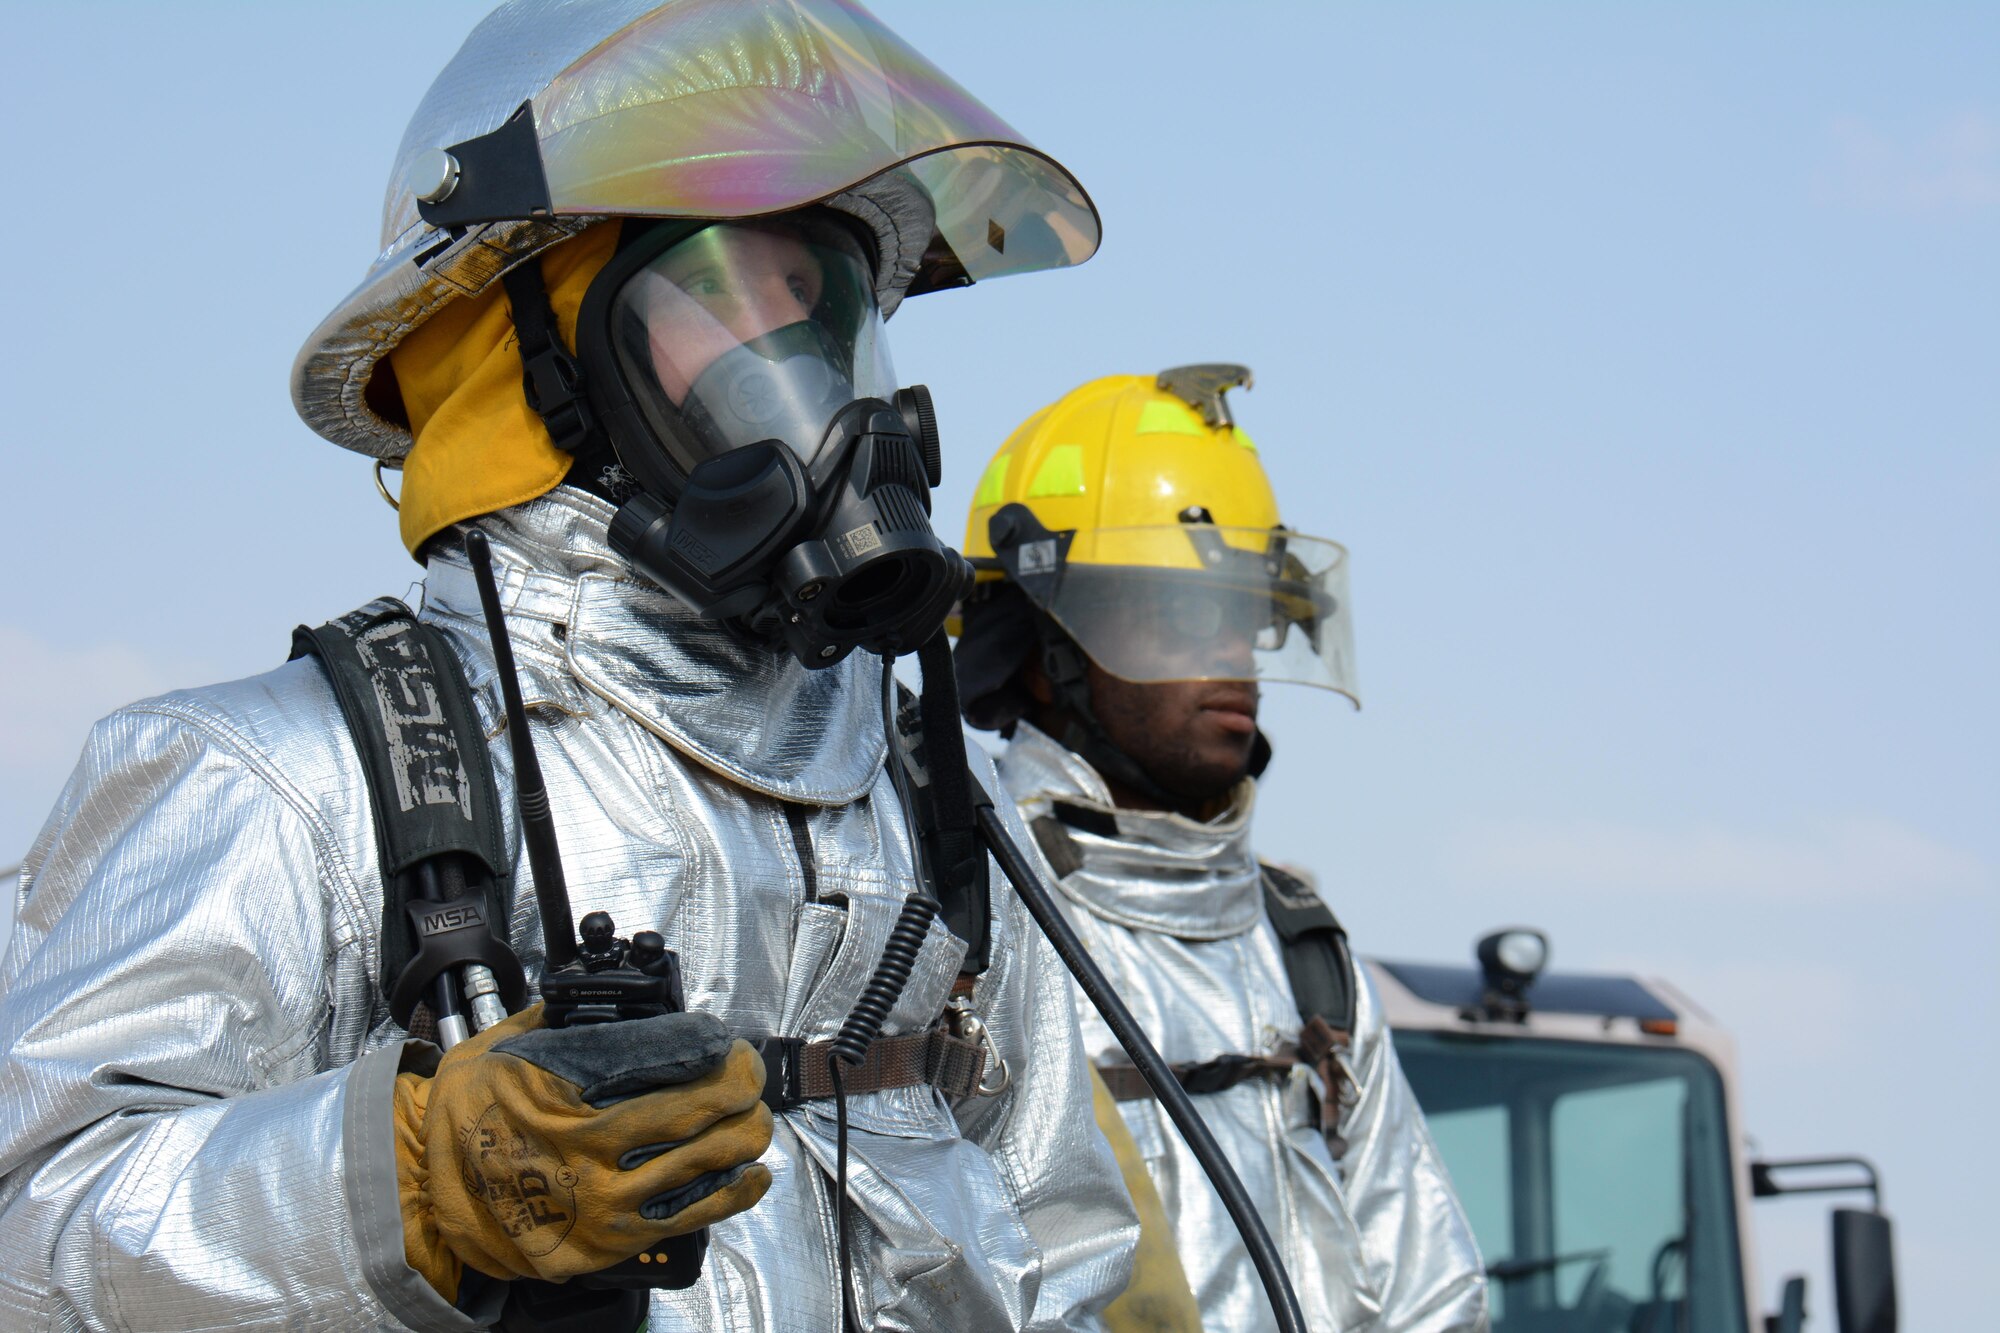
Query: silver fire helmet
{"x": 716, "y": 109}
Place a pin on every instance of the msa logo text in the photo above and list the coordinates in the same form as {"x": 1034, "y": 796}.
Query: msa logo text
{"x": 451, "y": 916}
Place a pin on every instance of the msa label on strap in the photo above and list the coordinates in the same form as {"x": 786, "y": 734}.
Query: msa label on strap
{"x": 425, "y": 766}
{"x": 446, "y": 917}
{"x": 416, "y": 733}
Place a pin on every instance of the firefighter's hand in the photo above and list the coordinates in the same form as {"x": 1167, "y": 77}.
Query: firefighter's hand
{"x": 534, "y": 1152}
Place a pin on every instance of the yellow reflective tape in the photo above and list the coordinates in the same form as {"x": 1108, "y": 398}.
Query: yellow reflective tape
{"x": 1061, "y": 473}
{"x": 1162, "y": 418}
{"x": 1244, "y": 439}
{"x": 993, "y": 484}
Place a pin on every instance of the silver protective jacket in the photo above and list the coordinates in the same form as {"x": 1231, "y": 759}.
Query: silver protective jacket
{"x": 1173, "y": 911}
{"x": 195, "y": 1061}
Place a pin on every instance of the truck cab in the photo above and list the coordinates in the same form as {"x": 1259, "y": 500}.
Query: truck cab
{"x": 1592, "y": 1128}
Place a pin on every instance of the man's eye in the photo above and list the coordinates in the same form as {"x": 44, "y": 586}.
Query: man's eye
{"x": 801, "y": 293}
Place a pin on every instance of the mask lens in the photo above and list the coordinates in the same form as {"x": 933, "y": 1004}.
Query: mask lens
{"x": 752, "y": 331}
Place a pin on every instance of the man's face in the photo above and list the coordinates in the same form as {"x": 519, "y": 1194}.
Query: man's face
{"x": 1192, "y": 737}
{"x": 724, "y": 287}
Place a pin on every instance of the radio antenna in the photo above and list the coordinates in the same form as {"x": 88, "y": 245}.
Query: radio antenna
{"x": 531, "y": 794}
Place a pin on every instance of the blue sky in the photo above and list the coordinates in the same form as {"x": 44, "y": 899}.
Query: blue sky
{"x": 1642, "y": 354}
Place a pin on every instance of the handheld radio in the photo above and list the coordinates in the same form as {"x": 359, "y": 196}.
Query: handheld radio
{"x": 605, "y": 979}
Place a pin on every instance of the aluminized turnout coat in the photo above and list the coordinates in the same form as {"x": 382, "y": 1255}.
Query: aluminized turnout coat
{"x": 1173, "y": 912}
{"x": 195, "y": 1060}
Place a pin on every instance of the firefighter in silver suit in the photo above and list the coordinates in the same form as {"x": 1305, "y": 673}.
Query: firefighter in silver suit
{"x": 1136, "y": 589}
{"x": 633, "y": 255}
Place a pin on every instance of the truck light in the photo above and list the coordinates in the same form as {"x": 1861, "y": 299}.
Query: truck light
{"x": 1522, "y": 951}
{"x": 1511, "y": 960}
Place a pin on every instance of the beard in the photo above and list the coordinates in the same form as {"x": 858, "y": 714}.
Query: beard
{"x": 1165, "y": 729}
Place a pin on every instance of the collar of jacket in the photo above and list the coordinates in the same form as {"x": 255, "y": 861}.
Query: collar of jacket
{"x": 585, "y": 628}
{"x": 1160, "y": 872}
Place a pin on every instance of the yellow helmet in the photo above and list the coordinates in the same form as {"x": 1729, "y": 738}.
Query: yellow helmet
{"x": 1134, "y": 514}
{"x": 1129, "y": 451}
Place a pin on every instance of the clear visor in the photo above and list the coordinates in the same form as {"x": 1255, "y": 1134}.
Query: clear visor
{"x": 1199, "y": 602}
{"x": 751, "y": 331}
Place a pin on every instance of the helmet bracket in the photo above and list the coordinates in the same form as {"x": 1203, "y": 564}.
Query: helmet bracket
{"x": 499, "y": 177}
{"x": 1202, "y": 387}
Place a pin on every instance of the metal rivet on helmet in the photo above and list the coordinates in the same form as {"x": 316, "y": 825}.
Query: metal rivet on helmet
{"x": 432, "y": 175}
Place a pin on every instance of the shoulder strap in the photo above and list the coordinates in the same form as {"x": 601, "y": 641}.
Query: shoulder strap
{"x": 1317, "y": 959}
{"x": 430, "y": 782}
{"x": 1058, "y": 848}
{"x": 1321, "y": 970}
{"x": 406, "y": 700}
{"x": 930, "y": 747}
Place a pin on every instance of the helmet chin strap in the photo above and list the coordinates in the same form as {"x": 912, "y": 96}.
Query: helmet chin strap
{"x": 1065, "y": 665}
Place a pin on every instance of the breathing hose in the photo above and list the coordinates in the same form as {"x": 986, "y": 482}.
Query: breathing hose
{"x": 878, "y": 998}
{"x": 1263, "y": 1251}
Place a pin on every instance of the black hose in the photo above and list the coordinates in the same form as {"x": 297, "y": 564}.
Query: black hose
{"x": 445, "y": 986}
{"x": 871, "y": 1011}
{"x": 878, "y": 997}
{"x": 1263, "y": 1251}
{"x": 850, "y": 1304}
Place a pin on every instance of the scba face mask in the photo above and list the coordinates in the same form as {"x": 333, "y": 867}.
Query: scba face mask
{"x": 741, "y": 374}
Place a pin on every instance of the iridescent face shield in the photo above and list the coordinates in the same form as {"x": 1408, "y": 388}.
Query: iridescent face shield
{"x": 732, "y": 335}
{"x": 553, "y": 116}
{"x": 1190, "y": 601}
{"x": 745, "y": 108}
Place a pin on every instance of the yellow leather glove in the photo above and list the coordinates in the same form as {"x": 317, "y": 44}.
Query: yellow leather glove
{"x": 1158, "y": 1298}
{"x": 537, "y": 1152}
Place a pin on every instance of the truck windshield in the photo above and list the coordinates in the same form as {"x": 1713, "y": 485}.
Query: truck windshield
{"x": 1596, "y": 1178}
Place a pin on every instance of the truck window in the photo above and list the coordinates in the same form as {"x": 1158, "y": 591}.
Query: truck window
{"x": 1596, "y": 1177}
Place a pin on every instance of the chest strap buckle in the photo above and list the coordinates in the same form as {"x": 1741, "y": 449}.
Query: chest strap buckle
{"x": 795, "y": 1070}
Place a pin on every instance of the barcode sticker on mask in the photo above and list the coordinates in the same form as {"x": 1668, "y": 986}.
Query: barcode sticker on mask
{"x": 860, "y": 541}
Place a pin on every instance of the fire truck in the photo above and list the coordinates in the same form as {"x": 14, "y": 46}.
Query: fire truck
{"x": 1592, "y": 1127}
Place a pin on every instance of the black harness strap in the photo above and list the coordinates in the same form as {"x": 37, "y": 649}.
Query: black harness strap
{"x": 1320, "y": 967}
{"x": 1127, "y": 1084}
{"x": 931, "y": 748}
{"x": 961, "y": 856}
{"x": 1052, "y": 833}
{"x": 430, "y": 783}
{"x": 1058, "y": 848}
{"x": 1317, "y": 959}
{"x": 551, "y": 376}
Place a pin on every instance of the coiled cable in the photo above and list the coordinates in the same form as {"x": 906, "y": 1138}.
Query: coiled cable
{"x": 892, "y": 974}
{"x": 878, "y": 997}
